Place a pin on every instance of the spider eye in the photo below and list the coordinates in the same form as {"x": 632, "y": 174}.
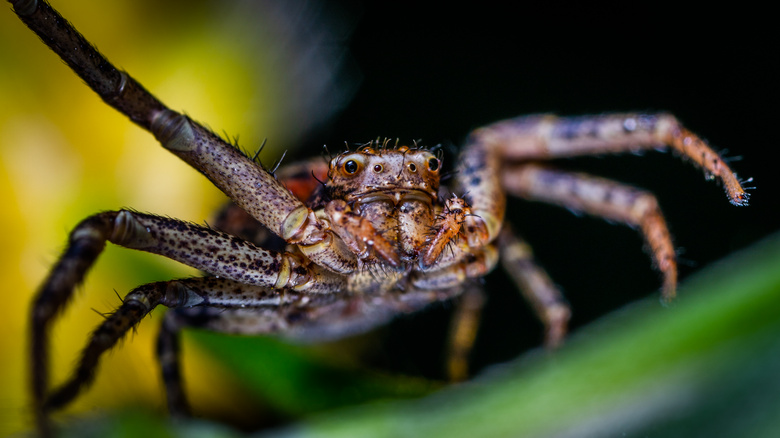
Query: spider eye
{"x": 433, "y": 164}
{"x": 412, "y": 168}
{"x": 378, "y": 168}
{"x": 350, "y": 167}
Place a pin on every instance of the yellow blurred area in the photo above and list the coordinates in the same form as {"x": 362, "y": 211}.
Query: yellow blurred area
{"x": 65, "y": 155}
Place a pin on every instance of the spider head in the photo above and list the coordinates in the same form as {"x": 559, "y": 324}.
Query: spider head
{"x": 395, "y": 173}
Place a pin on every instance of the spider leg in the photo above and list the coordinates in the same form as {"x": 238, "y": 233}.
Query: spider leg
{"x": 315, "y": 318}
{"x": 135, "y": 306}
{"x": 544, "y": 137}
{"x": 210, "y": 318}
{"x": 534, "y": 138}
{"x": 536, "y": 286}
{"x": 168, "y": 355}
{"x": 214, "y": 252}
{"x": 302, "y": 179}
{"x": 458, "y": 266}
{"x": 463, "y": 332}
{"x": 251, "y": 186}
{"x": 215, "y": 298}
{"x": 477, "y": 177}
{"x": 213, "y": 292}
{"x": 603, "y": 198}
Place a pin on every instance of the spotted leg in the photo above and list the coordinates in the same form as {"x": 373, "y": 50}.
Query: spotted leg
{"x": 536, "y": 286}
{"x": 535, "y": 138}
{"x": 302, "y": 179}
{"x": 603, "y": 198}
{"x": 208, "y": 292}
{"x": 248, "y": 184}
{"x": 213, "y": 252}
{"x": 315, "y": 318}
{"x": 545, "y": 137}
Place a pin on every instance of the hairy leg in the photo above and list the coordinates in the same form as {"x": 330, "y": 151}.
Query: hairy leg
{"x": 463, "y": 332}
{"x": 544, "y": 137}
{"x": 193, "y": 295}
{"x": 602, "y": 198}
{"x": 536, "y": 286}
{"x": 298, "y": 317}
{"x": 251, "y": 186}
{"x": 200, "y": 247}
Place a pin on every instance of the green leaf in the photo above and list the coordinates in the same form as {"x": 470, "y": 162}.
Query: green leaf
{"x": 297, "y": 381}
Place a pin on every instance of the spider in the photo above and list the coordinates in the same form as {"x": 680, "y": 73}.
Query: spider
{"x": 321, "y": 250}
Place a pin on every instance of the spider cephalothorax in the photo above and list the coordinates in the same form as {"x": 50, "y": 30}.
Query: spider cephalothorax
{"x": 363, "y": 238}
{"x": 394, "y": 192}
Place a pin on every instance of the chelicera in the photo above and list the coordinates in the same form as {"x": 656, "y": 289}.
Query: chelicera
{"x": 325, "y": 249}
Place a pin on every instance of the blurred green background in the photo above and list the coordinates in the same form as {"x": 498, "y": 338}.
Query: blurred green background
{"x": 415, "y": 73}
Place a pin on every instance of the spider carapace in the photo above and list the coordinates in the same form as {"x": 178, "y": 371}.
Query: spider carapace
{"x": 367, "y": 236}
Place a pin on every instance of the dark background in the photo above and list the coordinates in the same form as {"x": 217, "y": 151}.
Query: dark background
{"x": 435, "y": 74}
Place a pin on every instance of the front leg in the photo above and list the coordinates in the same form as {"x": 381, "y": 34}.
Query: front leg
{"x": 251, "y": 186}
{"x": 218, "y": 160}
{"x": 211, "y": 251}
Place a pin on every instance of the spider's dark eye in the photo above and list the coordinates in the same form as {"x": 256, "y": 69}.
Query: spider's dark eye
{"x": 412, "y": 168}
{"x": 351, "y": 167}
{"x": 378, "y": 168}
{"x": 433, "y": 164}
